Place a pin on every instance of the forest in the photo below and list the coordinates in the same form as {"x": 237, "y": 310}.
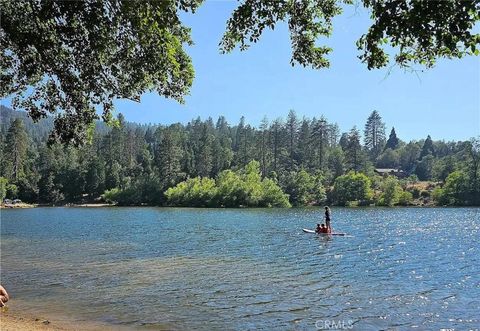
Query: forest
{"x": 206, "y": 163}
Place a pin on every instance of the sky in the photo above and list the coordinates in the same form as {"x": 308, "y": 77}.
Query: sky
{"x": 443, "y": 102}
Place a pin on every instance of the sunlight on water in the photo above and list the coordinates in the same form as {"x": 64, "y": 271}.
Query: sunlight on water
{"x": 245, "y": 269}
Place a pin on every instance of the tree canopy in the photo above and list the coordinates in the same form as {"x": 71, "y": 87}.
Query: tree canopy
{"x": 71, "y": 58}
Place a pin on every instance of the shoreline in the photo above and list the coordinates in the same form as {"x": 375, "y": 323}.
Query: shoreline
{"x": 17, "y": 321}
{"x": 13, "y": 319}
{"x": 106, "y": 205}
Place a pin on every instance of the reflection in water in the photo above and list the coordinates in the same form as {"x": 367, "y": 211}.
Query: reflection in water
{"x": 244, "y": 269}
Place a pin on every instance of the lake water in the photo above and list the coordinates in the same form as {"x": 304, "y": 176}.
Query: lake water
{"x": 210, "y": 269}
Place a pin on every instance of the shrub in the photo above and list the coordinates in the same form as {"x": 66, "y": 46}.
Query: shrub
{"x": 405, "y": 198}
{"x": 352, "y": 187}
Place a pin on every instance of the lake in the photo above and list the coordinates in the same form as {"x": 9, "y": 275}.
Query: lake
{"x": 231, "y": 269}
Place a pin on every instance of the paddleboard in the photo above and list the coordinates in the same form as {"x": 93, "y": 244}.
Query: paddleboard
{"x": 325, "y": 234}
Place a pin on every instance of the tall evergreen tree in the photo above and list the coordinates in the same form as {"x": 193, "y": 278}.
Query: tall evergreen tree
{"x": 262, "y": 147}
{"x": 15, "y": 149}
{"x": 276, "y": 143}
{"x": 292, "y": 131}
{"x": 374, "y": 135}
{"x": 392, "y": 141}
{"x": 304, "y": 144}
{"x": 320, "y": 139}
{"x": 427, "y": 148}
{"x": 168, "y": 154}
{"x": 353, "y": 150}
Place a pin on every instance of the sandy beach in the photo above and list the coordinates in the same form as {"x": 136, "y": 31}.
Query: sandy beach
{"x": 13, "y": 323}
{"x": 14, "y": 320}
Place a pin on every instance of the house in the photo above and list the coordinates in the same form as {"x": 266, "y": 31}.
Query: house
{"x": 384, "y": 172}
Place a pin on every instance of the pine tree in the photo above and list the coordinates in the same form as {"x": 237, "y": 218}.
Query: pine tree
{"x": 392, "y": 141}
{"x": 276, "y": 143}
{"x": 320, "y": 139}
{"x": 353, "y": 150}
{"x": 15, "y": 149}
{"x": 168, "y": 155}
{"x": 374, "y": 134}
{"x": 263, "y": 140}
{"x": 292, "y": 131}
{"x": 304, "y": 144}
{"x": 427, "y": 148}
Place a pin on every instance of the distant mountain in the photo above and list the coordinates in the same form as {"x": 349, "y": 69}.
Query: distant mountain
{"x": 37, "y": 131}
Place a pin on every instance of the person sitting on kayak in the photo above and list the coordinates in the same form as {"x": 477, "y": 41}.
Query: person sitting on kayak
{"x": 321, "y": 229}
{"x": 327, "y": 219}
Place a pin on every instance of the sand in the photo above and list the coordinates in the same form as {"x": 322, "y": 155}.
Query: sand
{"x": 15, "y": 322}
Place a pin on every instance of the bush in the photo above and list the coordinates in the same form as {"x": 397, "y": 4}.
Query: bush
{"x": 303, "y": 188}
{"x": 425, "y": 194}
{"x": 352, "y": 188}
{"x": 194, "y": 192}
{"x": 111, "y": 196}
{"x": 405, "y": 198}
{"x": 391, "y": 192}
{"x": 231, "y": 189}
{"x": 456, "y": 190}
{"x": 415, "y": 193}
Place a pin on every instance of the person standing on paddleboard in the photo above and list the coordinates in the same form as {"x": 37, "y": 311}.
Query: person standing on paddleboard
{"x": 327, "y": 219}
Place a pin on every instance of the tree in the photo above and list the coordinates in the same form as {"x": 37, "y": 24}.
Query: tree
{"x": 388, "y": 159}
{"x": 336, "y": 162}
{"x": 424, "y": 168}
{"x": 241, "y": 143}
{"x": 353, "y": 150}
{"x": 409, "y": 156}
{"x": 473, "y": 148}
{"x": 320, "y": 130}
{"x": 3, "y": 188}
{"x": 427, "y": 148}
{"x": 374, "y": 134}
{"x": 304, "y": 144}
{"x": 392, "y": 141}
{"x": 455, "y": 191}
{"x": 95, "y": 177}
{"x": 168, "y": 155}
{"x": 304, "y": 189}
{"x": 352, "y": 187}
{"x": 204, "y": 157}
{"x": 292, "y": 131}
{"x": 80, "y": 55}
{"x": 222, "y": 150}
{"x": 276, "y": 142}
{"x": 343, "y": 142}
{"x": 391, "y": 192}
{"x": 443, "y": 167}
{"x": 16, "y": 149}
{"x": 263, "y": 146}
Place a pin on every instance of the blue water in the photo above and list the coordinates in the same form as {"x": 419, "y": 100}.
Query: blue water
{"x": 206, "y": 269}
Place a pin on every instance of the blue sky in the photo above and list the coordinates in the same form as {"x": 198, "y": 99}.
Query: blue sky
{"x": 443, "y": 102}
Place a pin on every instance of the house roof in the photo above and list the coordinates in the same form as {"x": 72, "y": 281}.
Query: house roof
{"x": 387, "y": 170}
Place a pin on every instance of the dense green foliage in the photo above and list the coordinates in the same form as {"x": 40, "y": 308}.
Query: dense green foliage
{"x": 80, "y": 55}
{"x": 70, "y": 58}
{"x": 352, "y": 188}
{"x": 203, "y": 163}
{"x": 231, "y": 189}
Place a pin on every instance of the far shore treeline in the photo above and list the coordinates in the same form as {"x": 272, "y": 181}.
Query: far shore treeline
{"x": 280, "y": 163}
